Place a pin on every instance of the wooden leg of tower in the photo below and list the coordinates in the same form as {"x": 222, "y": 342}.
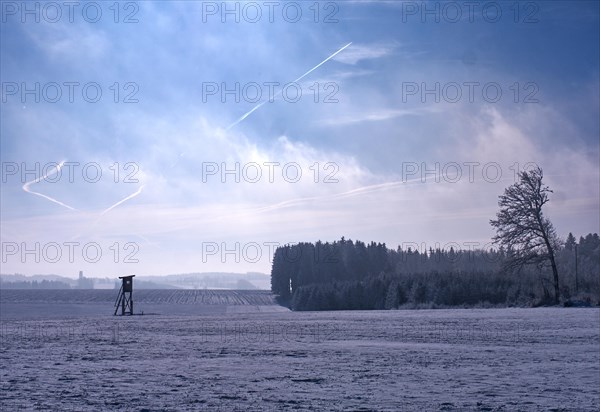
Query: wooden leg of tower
{"x": 118, "y": 302}
{"x": 117, "y": 305}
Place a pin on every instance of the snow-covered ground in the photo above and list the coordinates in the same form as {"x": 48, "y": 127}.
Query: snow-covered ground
{"x": 58, "y": 304}
{"x": 267, "y": 358}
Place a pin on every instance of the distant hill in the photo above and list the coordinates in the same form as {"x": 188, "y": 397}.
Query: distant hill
{"x": 216, "y": 280}
{"x": 199, "y": 280}
{"x": 24, "y": 278}
{"x": 18, "y": 281}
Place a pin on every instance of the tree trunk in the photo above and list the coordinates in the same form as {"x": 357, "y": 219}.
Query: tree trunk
{"x": 554, "y": 269}
{"x": 555, "y": 276}
{"x": 551, "y": 255}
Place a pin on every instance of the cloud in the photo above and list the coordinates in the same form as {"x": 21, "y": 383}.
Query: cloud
{"x": 356, "y": 53}
{"x": 363, "y": 141}
{"x": 513, "y": 143}
{"x": 61, "y": 41}
{"x": 374, "y": 116}
{"x": 177, "y": 212}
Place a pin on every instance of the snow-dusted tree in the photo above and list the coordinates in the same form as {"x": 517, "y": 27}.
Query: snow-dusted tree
{"x": 522, "y": 227}
{"x": 570, "y": 243}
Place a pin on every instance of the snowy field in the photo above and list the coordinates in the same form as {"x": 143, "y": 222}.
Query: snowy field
{"x": 49, "y": 304}
{"x": 219, "y": 356}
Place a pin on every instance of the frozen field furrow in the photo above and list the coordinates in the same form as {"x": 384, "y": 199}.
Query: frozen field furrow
{"x": 150, "y": 296}
{"x": 488, "y": 359}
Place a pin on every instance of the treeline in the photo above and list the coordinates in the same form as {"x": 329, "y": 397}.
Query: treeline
{"x": 34, "y": 284}
{"x": 350, "y": 274}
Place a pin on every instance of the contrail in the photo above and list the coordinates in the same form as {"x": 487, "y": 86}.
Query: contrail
{"x": 249, "y": 113}
{"x": 297, "y": 80}
{"x": 349, "y": 193}
{"x": 131, "y": 196}
{"x": 298, "y": 201}
{"x": 320, "y": 64}
{"x": 54, "y": 171}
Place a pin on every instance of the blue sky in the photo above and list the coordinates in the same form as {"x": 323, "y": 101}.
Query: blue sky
{"x": 370, "y": 138}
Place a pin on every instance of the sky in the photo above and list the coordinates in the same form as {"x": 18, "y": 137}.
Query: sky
{"x": 158, "y": 137}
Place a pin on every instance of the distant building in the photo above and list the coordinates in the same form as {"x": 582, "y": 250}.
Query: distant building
{"x": 83, "y": 282}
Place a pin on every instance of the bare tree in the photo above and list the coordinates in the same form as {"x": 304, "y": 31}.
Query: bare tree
{"x": 522, "y": 227}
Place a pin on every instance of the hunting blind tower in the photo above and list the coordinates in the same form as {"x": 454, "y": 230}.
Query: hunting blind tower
{"x": 125, "y": 298}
